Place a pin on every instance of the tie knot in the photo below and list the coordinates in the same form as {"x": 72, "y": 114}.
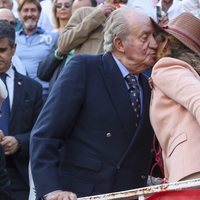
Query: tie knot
{"x": 3, "y": 77}
{"x": 132, "y": 81}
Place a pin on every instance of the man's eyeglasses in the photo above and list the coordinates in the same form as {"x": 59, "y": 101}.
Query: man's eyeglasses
{"x": 65, "y": 5}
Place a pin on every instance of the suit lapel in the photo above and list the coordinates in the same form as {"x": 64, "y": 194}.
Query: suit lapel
{"x": 119, "y": 95}
{"x": 139, "y": 133}
{"x": 17, "y": 94}
{"x": 145, "y": 97}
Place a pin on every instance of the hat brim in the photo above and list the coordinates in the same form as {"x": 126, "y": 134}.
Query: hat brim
{"x": 183, "y": 38}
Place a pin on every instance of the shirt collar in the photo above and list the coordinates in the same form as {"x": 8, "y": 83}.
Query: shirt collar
{"x": 10, "y": 72}
{"x": 122, "y": 68}
{"x": 38, "y": 31}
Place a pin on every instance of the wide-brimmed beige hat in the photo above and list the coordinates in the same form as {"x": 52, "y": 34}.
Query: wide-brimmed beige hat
{"x": 186, "y": 28}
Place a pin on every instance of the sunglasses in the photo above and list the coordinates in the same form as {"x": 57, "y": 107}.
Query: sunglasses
{"x": 65, "y": 5}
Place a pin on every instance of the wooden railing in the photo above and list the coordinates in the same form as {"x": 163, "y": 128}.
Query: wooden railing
{"x": 143, "y": 193}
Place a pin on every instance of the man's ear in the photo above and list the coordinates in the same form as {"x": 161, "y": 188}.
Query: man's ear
{"x": 118, "y": 44}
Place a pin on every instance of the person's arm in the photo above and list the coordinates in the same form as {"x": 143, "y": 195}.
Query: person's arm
{"x": 59, "y": 194}
{"x": 47, "y": 67}
{"x": 54, "y": 124}
{"x": 81, "y": 24}
{"x": 18, "y": 142}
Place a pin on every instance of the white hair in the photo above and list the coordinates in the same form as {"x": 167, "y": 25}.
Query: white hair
{"x": 116, "y": 25}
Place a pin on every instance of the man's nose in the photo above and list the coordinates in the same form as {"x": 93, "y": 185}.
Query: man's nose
{"x": 153, "y": 43}
{"x": 29, "y": 13}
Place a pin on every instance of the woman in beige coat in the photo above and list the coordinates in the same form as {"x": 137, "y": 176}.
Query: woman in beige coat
{"x": 175, "y": 103}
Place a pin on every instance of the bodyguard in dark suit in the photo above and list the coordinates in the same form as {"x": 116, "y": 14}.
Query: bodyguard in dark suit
{"x": 5, "y": 189}
{"x": 88, "y": 138}
{"x": 25, "y": 102}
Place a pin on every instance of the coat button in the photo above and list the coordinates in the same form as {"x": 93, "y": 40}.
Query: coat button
{"x": 108, "y": 135}
{"x": 143, "y": 177}
{"x": 152, "y": 150}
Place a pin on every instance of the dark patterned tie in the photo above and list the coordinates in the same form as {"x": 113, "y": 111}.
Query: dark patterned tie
{"x": 134, "y": 92}
{"x": 5, "y": 109}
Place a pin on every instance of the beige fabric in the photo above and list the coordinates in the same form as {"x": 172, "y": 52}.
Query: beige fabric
{"x": 192, "y": 176}
{"x": 83, "y": 32}
{"x": 175, "y": 116}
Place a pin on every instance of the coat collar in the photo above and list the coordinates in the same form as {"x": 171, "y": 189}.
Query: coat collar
{"x": 17, "y": 93}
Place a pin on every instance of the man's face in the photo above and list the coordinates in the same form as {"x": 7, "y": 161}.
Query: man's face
{"x": 6, "y": 4}
{"x": 29, "y": 16}
{"x": 6, "y": 53}
{"x": 139, "y": 47}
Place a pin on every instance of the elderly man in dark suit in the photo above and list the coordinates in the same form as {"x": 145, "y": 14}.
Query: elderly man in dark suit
{"x": 93, "y": 135}
{"x": 19, "y": 112}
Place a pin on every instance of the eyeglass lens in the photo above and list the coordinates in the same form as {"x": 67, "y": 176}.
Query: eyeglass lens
{"x": 65, "y": 5}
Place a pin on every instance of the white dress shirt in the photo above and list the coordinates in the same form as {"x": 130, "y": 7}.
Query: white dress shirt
{"x": 10, "y": 84}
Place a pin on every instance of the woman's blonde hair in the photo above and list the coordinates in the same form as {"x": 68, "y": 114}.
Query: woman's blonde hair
{"x": 54, "y": 18}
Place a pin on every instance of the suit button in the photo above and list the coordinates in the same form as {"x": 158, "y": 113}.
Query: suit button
{"x": 143, "y": 177}
{"x": 152, "y": 150}
{"x": 118, "y": 167}
{"x": 108, "y": 135}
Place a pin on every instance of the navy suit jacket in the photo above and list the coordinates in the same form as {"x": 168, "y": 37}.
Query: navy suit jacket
{"x": 5, "y": 189}
{"x": 27, "y": 103}
{"x": 84, "y": 140}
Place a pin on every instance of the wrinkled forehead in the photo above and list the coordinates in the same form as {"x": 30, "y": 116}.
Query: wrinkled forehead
{"x": 142, "y": 28}
{"x": 141, "y": 21}
{"x": 29, "y": 5}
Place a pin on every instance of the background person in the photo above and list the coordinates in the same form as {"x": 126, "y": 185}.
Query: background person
{"x": 5, "y": 189}
{"x": 7, "y": 15}
{"x": 33, "y": 43}
{"x": 84, "y": 31}
{"x": 20, "y": 110}
{"x": 62, "y": 11}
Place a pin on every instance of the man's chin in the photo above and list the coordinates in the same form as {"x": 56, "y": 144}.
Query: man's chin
{"x": 30, "y": 27}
